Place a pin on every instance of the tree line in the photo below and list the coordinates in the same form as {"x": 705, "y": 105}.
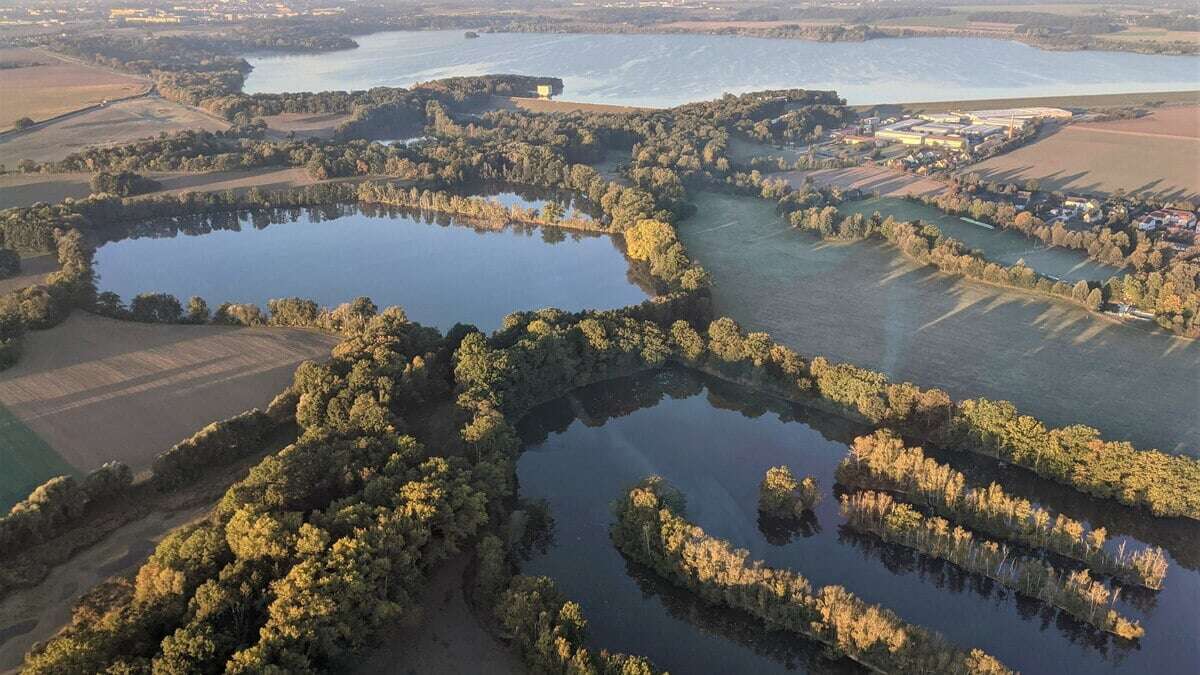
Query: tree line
{"x": 532, "y": 614}
{"x": 1160, "y": 280}
{"x": 10, "y": 260}
{"x": 925, "y": 243}
{"x": 70, "y": 228}
{"x": 1076, "y": 592}
{"x": 538, "y": 356}
{"x": 882, "y": 462}
{"x": 651, "y": 528}
{"x": 321, "y": 544}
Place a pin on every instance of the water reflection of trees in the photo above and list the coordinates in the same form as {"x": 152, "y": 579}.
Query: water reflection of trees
{"x": 946, "y": 576}
{"x": 1178, "y": 536}
{"x": 594, "y": 405}
{"x": 197, "y": 224}
{"x": 793, "y": 652}
{"x": 781, "y": 531}
{"x": 534, "y": 196}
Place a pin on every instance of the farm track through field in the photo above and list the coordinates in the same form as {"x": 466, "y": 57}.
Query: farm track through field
{"x": 1143, "y": 134}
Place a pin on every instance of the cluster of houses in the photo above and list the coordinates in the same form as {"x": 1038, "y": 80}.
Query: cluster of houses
{"x": 1176, "y": 226}
{"x": 1086, "y": 209}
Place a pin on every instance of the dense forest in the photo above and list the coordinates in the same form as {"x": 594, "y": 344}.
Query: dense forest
{"x": 350, "y": 479}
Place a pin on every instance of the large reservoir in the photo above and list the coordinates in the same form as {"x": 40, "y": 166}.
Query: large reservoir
{"x": 666, "y": 70}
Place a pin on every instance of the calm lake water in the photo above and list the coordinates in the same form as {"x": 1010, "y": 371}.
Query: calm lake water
{"x": 1001, "y": 246}
{"x": 438, "y": 269}
{"x": 714, "y": 441}
{"x": 666, "y": 70}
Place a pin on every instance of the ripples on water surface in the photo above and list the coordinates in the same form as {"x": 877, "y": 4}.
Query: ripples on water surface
{"x": 665, "y": 70}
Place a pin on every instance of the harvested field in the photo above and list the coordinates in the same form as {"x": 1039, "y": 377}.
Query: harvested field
{"x": 26, "y": 189}
{"x": 271, "y": 178}
{"x": 23, "y": 190}
{"x": 1154, "y": 156}
{"x": 33, "y": 270}
{"x": 1143, "y": 34}
{"x": 305, "y": 125}
{"x": 114, "y": 124}
{"x": 1180, "y": 122}
{"x": 886, "y": 181}
{"x": 865, "y": 304}
{"x": 56, "y": 86}
{"x": 97, "y": 389}
{"x": 1081, "y": 101}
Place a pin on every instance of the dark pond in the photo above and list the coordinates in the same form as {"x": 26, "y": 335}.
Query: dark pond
{"x": 440, "y": 269}
{"x": 714, "y": 441}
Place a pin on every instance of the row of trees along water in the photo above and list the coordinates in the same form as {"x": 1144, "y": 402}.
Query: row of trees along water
{"x": 549, "y": 630}
{"x": 1075, "y": 592}
{"x": 925, "y": 243}
{"x": 318, "y": 547}
{"x": 882, "y": 462}
{"x": 1160, "y": 279}
{"x": 575, "y": 349}
{"x": 180, "y": 609}
{"x": 44, "y": 227}
{"x": 651, "y": 529}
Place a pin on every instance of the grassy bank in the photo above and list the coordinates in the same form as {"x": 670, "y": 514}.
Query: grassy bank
{"x": 1079, "y": 101}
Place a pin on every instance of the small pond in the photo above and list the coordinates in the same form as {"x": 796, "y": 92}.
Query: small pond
{"x": 440, "y": 269}
{"x": 1001, "y": 246}
{"x": 714, "y": 441}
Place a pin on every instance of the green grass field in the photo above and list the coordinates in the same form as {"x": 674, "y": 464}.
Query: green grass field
{"x": 864, "y": 303}
{"x": 1006, "y": 248}
{"x": 26, "y": 460}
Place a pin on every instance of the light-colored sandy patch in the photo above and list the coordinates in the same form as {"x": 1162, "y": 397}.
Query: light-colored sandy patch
{"x": 97, "y": 389}
{"x": 118, "y": 123}
{"x": 56, "y": 86}
{"x": 539, "y": 105}
{"x": 305, "y": 125}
